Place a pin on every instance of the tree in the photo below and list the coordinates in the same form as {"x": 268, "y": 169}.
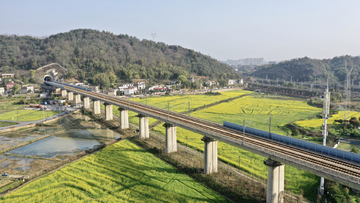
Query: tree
{"x": 25, "y": 80}
{"x": 355, "y": 150}
{"x": 112, "y": 77}
{"x": 295, "y": 132}
{"x": 339, "y": 97}
{"x": 182, "y": 79}
{"x": 15, "y": 88}
{"x": 290, "y": 84}
{"x": 32, "y": 73}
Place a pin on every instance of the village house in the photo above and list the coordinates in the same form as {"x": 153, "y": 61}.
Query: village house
{"x": 8, "y": 86}
{"x": 210, "y": 83}
{"x": 125, "y": 86}
{"x": 27, "y": 89}
{"x": 130, "y": 91}
{"x": 231, "y": 82}
{"x": 112, "y": 92}
{"x": 140, "y": 85}
{"x": 7, "y": 75}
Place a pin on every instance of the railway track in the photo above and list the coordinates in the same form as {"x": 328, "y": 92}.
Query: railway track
{"x": 314, "y": 158}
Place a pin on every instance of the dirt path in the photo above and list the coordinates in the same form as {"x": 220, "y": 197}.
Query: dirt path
{"x": 5, "y": 183}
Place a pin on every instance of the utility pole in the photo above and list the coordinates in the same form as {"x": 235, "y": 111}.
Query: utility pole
{"x": 244, "y": 132}
{"x": 270, "y": 127}
{"x": 189, "y": 107}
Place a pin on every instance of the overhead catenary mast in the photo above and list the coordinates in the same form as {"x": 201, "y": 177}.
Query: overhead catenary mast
{"x": 326, "y": 110}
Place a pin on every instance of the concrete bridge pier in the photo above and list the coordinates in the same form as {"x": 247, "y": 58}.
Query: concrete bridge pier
{"x": 124, "y": 118}
{"x": 96, "y": 107}
{"x": 86, "y": 104}
{"x": 108, "y": 112}
{"x": 63, "y": 93}
{"x": 143, "y": 126}
{"x": 275, "y": 181}
{"x": 77, "y": 99}
{"x": 171, "y": 144}
{"x": 210, "y": 155}
{"x": 70, "y": 96}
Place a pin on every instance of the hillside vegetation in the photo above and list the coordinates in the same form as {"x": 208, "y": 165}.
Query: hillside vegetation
{"x": 100, "y": 57}
{"x": 306, "y": 69}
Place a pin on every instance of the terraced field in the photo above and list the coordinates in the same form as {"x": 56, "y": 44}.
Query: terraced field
{"x": 122, "y": 172}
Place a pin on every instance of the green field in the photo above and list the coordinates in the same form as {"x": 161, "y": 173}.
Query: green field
{"x": 256, "y": 111}
{"x": 347, "y": 147}
{"x": 26, "y": 115}
{"x": 10, "y": 105}
{"x": 122, "y": 172}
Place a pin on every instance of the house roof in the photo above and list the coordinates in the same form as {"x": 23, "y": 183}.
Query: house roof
{"x": 9, "y": 84}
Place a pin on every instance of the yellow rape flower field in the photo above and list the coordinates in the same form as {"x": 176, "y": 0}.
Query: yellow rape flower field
{"x": 317, "y": 123}
{"x": 122, "y": 172}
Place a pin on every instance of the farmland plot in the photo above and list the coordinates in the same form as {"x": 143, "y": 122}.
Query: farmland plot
{"x": 122, "y": 172}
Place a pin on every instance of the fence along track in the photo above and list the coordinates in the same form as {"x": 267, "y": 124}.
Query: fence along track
{"x": 327, "y": 162}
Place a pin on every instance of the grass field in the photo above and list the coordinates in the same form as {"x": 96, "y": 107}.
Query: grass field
{"x": 256, "y": 111}
{"x": 10, "y": 106}
{"x": 122, "y": 172}
{"x": 347, "y": 147}
{"x": 26, "y": 115}
{"x": 315, "y": 124}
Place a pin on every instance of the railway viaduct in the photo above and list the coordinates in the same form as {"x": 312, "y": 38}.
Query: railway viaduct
{"x": 278, "y": 153}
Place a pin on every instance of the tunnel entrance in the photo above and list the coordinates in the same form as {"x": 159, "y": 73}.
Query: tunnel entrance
{"x": 48, "y": 78}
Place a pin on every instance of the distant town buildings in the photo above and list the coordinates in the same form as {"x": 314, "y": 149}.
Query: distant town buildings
{"x": 246, "y": 61}
{"x": 272, "y": 62}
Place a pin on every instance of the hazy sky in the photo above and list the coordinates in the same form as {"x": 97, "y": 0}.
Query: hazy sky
{"x": 275, "y": 30}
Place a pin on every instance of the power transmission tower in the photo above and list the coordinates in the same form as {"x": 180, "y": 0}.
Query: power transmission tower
{"x": 347, "y": 92}
{"x": 153, "y": 35}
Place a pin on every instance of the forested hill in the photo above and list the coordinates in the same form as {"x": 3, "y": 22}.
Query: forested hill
{"x": 91, "y": 54}
{"x": 306, "y": 69}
